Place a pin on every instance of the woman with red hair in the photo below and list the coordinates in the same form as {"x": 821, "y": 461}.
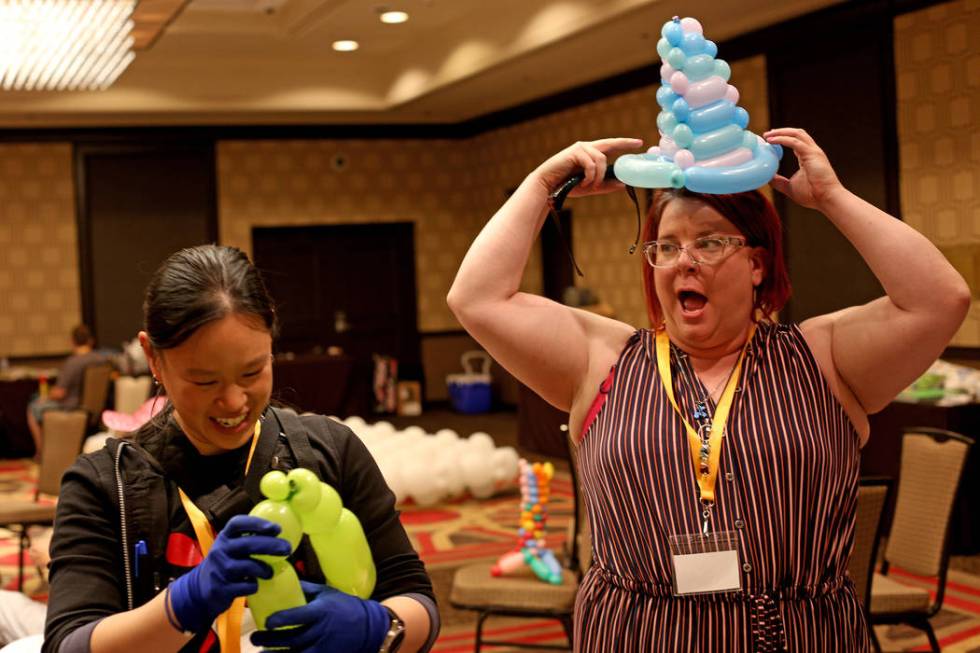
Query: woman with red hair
{"x": 719, "y": 451}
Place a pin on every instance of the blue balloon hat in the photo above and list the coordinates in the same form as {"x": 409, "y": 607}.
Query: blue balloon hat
{"x": 704, "y": 144}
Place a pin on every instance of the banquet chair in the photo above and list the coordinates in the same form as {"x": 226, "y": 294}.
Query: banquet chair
{"x": 63, "y": 432}
{"x": 95, "y": 392}
{"x": 524, "y": 595}
{"x": 931, "y": 467}
{"x": 873, "y": 495}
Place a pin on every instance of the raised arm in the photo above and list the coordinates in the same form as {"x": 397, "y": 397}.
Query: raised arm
{"x": 543, "y": 343}
{"x": 879, "y": 348}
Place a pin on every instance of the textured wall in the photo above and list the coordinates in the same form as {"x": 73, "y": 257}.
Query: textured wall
{"x": 937, "y": 59}
{"x": 39, "y": 290}
{"x": 430, "y": 183}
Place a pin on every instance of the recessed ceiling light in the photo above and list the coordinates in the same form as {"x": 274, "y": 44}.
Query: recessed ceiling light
{"x": 393, "y": 17}
{"x": 345, "y": 46}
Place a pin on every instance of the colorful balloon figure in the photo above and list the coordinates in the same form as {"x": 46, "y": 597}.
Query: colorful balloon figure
{"x": 300, "y": 503}
{"x": 531, "y": 549}
{"x": 704, "y": 144}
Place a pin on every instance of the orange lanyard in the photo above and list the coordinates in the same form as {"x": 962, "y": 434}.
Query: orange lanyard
{"x": 229, "y": 621}
{"x": 705, "y": 480}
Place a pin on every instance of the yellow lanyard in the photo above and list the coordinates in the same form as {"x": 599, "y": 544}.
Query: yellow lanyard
{"x": 705, "y": 480}
{"x": 229, "y": 621}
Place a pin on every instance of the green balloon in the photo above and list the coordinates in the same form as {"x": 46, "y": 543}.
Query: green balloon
{"x": 354, "y": 572}
{"x": 300, "y": 503}
{"x": 281, "y": 513}
{"x": 280, "y": 592}
{"x": 275, "y": 485}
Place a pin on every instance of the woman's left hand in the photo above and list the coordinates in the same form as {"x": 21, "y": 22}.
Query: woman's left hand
{"x": 816, "y": 180}
{"x": 332, "y": 621}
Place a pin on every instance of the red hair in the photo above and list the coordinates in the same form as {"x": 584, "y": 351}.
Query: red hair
{"x": 755, "y": 217}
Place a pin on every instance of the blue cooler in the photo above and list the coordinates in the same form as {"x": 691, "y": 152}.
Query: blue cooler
{"x": 469, "y": 392}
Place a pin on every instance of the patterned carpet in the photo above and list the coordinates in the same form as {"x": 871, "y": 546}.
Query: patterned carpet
{"x": 468, "y": 530}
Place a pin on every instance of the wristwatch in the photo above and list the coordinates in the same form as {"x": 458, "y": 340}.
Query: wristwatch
{"x": 396, "y": 633}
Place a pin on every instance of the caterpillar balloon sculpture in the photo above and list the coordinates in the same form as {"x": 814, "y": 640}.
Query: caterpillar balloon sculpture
{"x": 300, "y": 503}
{"x": 531, "y": 549}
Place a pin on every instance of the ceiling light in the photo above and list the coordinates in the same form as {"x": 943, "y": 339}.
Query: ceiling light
{"x": 345, "y": 46}
{"x": 393, "y": 17}
{"x": 64, "y": 44}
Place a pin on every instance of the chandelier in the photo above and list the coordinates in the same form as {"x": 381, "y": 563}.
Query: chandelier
{"x": 58, "y": 45}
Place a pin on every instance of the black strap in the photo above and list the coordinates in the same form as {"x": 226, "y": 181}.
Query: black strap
{"x": 297, "y": 437}
{"x": 262, "y": 458}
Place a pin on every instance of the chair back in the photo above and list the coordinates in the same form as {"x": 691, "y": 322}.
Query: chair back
{"x": 872, "y": 497}
{"x": 95, "y": 390}
{"x": 581, "y": 540}
{"x": 61, "y": 441}
{"x": 131, "y": 392}
{"x": 932, "y": 462}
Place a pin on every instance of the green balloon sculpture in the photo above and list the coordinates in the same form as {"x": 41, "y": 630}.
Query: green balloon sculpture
{"x": 300, "y": 503}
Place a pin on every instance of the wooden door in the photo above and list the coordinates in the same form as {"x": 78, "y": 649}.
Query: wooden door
{"x": 349, "y": 286}
{"x": 137, "y": 205}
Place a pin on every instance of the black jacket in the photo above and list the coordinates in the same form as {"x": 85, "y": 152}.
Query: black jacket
{"x": 99, "y": 568}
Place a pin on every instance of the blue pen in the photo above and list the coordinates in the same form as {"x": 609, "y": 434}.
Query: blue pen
{"x": 139, "y": 550}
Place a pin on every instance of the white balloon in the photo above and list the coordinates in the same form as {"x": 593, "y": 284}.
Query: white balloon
{"x": 505, "y": 467}
{"x": 354, "y": 422}
{"x": 420, "y": 482}
{"x": 477, "y": 473}
{"x": 447, "y": 434}
{"x": 481, "y": 440}
{"x": 414, "y": 430}
{"x": 392, "y": 472}
{"x": 384, "y": 427}
{"x": 452, "y": 475}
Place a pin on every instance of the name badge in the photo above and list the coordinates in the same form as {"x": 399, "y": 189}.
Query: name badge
{"x": 705, "y": 564}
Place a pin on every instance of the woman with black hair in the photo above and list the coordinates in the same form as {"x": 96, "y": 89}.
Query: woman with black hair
{"x": 131, "y": 565}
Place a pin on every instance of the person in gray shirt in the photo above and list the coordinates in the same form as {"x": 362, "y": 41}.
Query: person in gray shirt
{"x": 67, "y": 390}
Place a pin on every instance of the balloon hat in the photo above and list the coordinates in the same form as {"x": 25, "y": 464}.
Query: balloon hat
{"x": 704, "y": 144}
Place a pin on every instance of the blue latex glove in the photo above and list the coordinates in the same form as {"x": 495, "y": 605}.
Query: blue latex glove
{"x": 333, "y": 622}
{"x": 227, "y": 572}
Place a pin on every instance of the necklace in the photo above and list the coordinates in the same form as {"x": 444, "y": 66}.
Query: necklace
{"x": 701, "y": 416}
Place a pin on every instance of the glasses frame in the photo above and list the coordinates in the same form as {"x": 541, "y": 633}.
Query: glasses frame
{"x": 733, "y": 242}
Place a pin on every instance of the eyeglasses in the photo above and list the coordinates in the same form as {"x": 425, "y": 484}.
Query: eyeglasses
{"x": 709, "y": 250}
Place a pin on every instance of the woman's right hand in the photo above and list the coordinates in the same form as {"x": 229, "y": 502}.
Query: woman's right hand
{"x": 589, "y": 157}
{"x": 228, "y": 571}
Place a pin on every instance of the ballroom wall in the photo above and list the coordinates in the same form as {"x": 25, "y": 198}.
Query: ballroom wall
{"x": 39, "y": 279}
{"x": 937, "y": 61}
{"x": 448, "y": 187}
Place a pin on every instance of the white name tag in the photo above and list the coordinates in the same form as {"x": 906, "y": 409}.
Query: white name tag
{"x": 705, "y": 564}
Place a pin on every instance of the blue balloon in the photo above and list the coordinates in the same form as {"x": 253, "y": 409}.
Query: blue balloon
{"x": 741, "y": 117}
{"x": 711, "y": 116}
{"x": 663, "y": 47}
{"x": 681, "y": 109}
{"x": 715, "y": 142}
{"x": 710, "y": 48}
{"x": 672, "y": 32}
{"x": 734, "y": 179}
{"x": 676, "y": 58}
{"x": 666, "y": 97}
{"x": 722, "y": 69}
{"x": 648, "y": 171}
{"x": 683, "y": 136}
{"x": 693, "y": 43}
{"x": 699, "y": 67}
{"x": 666, "y": 122}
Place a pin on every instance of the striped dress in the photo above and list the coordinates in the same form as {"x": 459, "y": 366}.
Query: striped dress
{"x": 787, "y": 483}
